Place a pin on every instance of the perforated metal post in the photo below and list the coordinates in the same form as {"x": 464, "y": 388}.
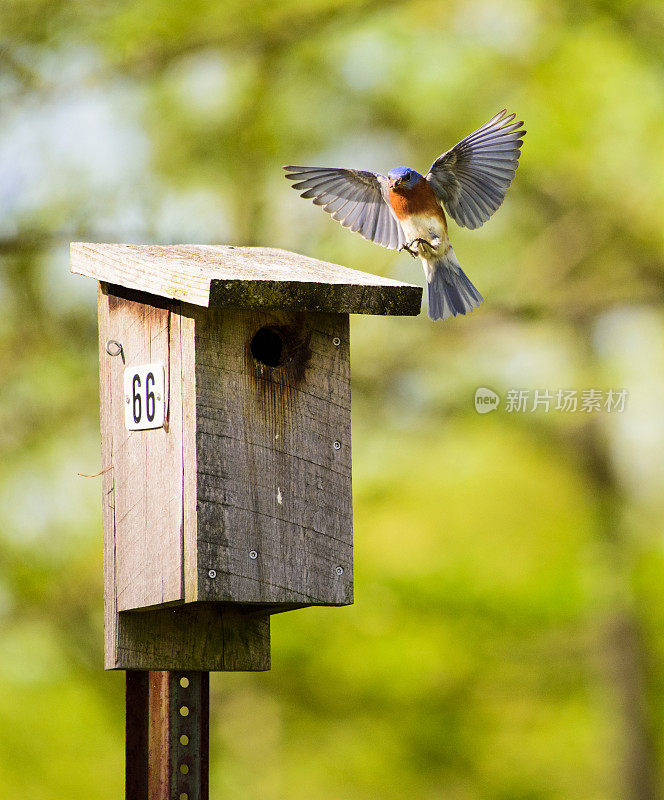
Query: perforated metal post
{"x": 167, "y": 735}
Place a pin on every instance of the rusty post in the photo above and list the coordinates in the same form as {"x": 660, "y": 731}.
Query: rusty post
{"x": 167, "y": 735}
{"x": 136, "y": 735}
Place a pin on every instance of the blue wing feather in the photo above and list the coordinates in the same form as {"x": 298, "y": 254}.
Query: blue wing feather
{"x": 356, "y": 199}
{"x": 472, "y": 178}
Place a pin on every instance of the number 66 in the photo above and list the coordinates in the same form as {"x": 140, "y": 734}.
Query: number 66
{"x": 144, "y": 393}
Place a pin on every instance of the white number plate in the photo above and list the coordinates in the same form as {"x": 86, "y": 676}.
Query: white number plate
{"x": 144, "y": 397}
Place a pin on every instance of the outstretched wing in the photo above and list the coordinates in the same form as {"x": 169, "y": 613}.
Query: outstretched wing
{"x": 471, "y": 179}
{"x": 358, "y": 200}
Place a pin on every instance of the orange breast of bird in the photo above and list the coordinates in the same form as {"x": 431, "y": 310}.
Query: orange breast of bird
{"x": 419, "y": 201}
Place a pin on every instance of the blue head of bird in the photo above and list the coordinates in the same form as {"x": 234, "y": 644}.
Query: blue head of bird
{"x": 403, "y": 178}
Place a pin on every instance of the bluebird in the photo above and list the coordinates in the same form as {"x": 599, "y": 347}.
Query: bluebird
{"x": 405, "y": 210}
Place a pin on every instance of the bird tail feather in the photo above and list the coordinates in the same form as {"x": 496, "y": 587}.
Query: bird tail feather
{"x": 450, "y": 289}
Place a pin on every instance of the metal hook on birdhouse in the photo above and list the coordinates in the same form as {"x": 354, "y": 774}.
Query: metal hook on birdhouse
{"x": 114, "y": 348}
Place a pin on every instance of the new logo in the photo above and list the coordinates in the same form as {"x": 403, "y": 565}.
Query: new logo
{"x": 486, "y": 400}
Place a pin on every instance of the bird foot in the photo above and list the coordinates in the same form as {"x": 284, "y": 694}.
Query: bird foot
{"x": 409, "y": 250}
{"x": 412, "y": 246}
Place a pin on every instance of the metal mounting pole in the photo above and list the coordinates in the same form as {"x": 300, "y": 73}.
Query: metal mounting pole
{"x": 167, "y": 730}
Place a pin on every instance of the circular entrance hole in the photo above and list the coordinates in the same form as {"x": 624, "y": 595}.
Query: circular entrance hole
{"x": 267, "y": 347}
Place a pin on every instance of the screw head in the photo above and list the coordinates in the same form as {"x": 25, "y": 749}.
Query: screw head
{"x": 339, "y": 570}
{"x": 253, "y": 554}
{"x": 158, "y": 397}
{"x": 337, "y": 445}
{"x": 336, "y": 341}
{"x": 127, "y": 399}
{"x": 212, "y": 573}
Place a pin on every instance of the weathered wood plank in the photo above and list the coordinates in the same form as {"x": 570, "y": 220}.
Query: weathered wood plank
{"x": 273, "y": 459}
{"x": 108, "y": 479}
{"x": 163, "y": 271}
{"x": 313, "y": 296}
{"x": 198, "y": 636}
{"x": 244, "y": 277}
{"x": 147, "y": 464}
{"x": 189, "y": 478}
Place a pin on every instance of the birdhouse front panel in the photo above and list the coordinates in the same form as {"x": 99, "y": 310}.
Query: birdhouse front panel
{"x": 268, "y": 507}
{"x": 143, "y": 477}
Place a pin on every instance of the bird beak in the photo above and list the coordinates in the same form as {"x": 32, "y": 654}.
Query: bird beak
{"x": 395, "y": 182}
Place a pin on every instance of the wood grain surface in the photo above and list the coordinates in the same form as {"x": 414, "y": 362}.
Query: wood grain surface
{"x": 244, "y": 277}
{"x": 273, "y": 461}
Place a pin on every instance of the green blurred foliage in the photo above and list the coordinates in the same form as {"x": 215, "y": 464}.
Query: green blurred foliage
{"x": 507, "y": 638}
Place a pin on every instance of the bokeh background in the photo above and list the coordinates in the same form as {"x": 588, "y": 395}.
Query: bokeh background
{"x": 507, "y": 641}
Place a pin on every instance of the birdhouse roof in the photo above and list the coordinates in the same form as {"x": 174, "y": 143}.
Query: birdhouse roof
{"x": 244, "y": 277}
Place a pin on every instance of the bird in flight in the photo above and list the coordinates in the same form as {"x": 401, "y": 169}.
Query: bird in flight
{"x": 404, "y": 211}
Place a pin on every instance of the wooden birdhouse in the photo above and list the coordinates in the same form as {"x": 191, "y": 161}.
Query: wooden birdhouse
{"x": 225, "y": 420}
